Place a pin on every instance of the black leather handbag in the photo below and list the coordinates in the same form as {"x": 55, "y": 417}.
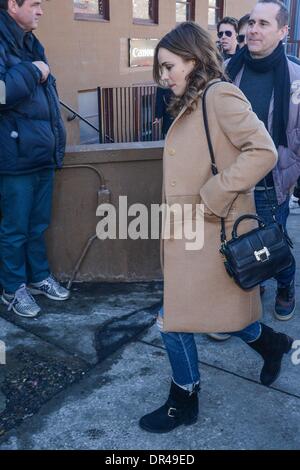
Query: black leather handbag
{"x": 259, "y": 254}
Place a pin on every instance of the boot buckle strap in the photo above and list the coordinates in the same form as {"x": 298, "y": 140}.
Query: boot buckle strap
{"x": 172, "y": 412}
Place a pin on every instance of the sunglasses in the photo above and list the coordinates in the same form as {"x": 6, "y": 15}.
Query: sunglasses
{"x": 227, "y": 33}
{"x": 241, "y": 38}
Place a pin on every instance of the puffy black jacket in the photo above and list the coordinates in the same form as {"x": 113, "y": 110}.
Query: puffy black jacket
{"x": 32, "y": 134}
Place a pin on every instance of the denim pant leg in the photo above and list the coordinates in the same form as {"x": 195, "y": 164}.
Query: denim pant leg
{"x": 250, "y": 333}
{"x": 183, "y": 356}
{"x": 16, "y": 199}
{"x": 282, "y": 212}
{"x": 40, "y": 217}
{"x": 24, "y": 202}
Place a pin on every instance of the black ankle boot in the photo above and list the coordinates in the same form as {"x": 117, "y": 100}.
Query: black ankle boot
{"x": 180, "y": 408}
{"x": 271, "y": 346}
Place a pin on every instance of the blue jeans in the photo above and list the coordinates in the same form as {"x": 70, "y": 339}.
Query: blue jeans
{"x": 25, "y": 204}
{"x": 286, "y": 277}
{"x": 183, "y": 354}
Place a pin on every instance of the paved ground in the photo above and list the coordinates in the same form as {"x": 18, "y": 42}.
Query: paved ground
{"x": 81, "y": 375}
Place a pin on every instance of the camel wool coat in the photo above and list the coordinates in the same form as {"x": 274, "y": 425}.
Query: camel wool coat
{"x": 199, "y": 296}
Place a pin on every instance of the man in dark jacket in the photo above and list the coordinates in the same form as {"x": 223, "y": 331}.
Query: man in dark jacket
{"x": 163, "y": 97}
{"x": 267, "y": 78}
{"x": 32, "y": 144}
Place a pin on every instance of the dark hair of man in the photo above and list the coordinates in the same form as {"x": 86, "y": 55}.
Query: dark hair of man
{"x": 283, "y": 13}
{"x": 229, "y": 20}
{"x": 4, "y": 4}
{"x": 243, "y": 21}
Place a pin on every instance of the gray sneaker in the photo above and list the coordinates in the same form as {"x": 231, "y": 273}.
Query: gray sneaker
{"x": 21, "y": 302}
{"x": 50, "y": 288}
{"x": 219, "y": 336}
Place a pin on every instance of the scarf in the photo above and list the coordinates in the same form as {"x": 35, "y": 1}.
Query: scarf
{"x": 277, "y": 61}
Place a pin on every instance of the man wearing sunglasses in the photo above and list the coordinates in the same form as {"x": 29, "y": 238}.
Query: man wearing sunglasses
{"x": 227, "y": 34}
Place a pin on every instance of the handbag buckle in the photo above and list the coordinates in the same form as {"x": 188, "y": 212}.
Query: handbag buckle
{"x": 262, "y": 255}
{"x": 172, "y": 412}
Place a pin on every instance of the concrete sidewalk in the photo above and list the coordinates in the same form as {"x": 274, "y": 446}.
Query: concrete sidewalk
{"x": 82, "y": 374}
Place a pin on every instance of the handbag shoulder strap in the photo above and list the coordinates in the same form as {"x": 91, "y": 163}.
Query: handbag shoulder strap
{"x": 214, "y": 168}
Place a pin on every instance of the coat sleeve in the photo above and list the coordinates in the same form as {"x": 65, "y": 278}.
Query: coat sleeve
{"x": 289, "y": 167}
{"x": 289, "y": 157}
{"x": 257, "y": 155}
{"x": 20, "y": 81}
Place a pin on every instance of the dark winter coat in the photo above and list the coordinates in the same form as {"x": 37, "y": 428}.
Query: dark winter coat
{"x": 32, "y": 134}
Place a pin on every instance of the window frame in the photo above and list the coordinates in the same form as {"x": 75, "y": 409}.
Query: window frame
{"x": 292, "y": 39}
{"x": 95, "y": 16}
{"x": 220, "y": 8}
{"x": 154, "y": 6}
{"x": 292, "y": 29}
{"x": 192, "y": 10}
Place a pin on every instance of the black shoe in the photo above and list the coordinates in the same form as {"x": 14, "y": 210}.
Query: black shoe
{"x": 271, "y": 346}
{"x": 285, "y": 303}
{"x": 296, "y": 192}
{"x": 180, "y": 408}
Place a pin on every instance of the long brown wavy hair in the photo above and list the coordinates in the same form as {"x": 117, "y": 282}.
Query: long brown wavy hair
{"x": 191, "y": 42}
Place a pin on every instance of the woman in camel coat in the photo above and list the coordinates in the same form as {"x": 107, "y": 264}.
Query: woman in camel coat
{"x": 199, "y": 296}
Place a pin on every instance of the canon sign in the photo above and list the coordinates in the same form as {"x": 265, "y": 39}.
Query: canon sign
{"x": 141, "y": 52}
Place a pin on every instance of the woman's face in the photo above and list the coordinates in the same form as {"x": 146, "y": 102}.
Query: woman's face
{"x": 174, "y": 70}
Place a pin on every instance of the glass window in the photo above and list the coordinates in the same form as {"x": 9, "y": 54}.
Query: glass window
{"x": 185, "y": 10}
{"x": 215, "y": 11}
{"x": 141, "y": 9}
{"x": 89, "y": 9}
{"x": 145, "y": 11}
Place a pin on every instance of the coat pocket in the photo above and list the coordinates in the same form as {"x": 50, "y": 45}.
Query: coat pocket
{"x": 8, "y": 144}
{"x": 294, "y": 141}
{"x": 183, "y": 216}
{"x": 36, "y": 140}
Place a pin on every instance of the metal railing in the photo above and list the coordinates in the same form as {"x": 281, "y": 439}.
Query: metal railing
{"x": 75, "y": 115}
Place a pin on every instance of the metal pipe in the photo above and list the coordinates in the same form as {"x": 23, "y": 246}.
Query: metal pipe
{"x": 94, "y": 237}
{"x": 80, "y": 260}
{"x": 101, "y": 177}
